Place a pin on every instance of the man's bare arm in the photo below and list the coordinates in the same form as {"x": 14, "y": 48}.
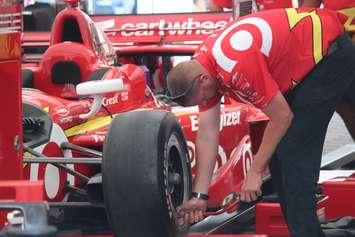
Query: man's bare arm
{"x": 206, "y": 147}
{"x": 280, "y": 118}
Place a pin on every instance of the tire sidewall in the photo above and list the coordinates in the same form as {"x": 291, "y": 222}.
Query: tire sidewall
{"x": 137, "y": 153}
{"x": 171, "y": 135}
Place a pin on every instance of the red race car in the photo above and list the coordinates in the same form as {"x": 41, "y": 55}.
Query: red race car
{"x": 92, "y": 115}
{"x": 100, "y": 132}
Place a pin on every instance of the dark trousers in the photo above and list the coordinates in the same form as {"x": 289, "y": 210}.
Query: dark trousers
{"x": 296, "y": 162}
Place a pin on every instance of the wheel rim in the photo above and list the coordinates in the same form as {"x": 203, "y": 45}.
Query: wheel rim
{"x": 176, "y": 172}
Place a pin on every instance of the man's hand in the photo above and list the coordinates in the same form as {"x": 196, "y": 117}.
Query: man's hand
{"x": 191, "y": 211}
{"x": 280, "y": 118}
{"x": 251, "y": 188}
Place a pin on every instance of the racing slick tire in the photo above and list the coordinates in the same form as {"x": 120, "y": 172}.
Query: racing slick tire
{"x": 146, "y": 174}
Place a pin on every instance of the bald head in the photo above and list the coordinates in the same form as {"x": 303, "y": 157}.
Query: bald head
{"x": 180, "y": 77}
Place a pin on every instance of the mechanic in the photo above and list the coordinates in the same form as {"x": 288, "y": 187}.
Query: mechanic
{"x": 346, "y": 109}
{"x": 293, "y": 64}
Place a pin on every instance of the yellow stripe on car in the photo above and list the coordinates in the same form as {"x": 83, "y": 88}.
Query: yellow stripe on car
{"x": 88, "y": 126}
{"x": 93, "y": 124}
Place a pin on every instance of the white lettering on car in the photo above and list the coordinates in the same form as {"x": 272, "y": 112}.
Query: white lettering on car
{"x": 124, "y": 96}
{"x": 110, "y": 100}
{"x": 98, "y": 138}
{"x": 61, "y": 110}
{"x": 194, "y": 123}
{"x": 227, "y": 119}
{"x": 188, "y": 27}
{"x": 65, "y": 120}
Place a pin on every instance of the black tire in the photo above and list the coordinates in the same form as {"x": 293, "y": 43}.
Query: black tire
{"x": 146, "y": 174}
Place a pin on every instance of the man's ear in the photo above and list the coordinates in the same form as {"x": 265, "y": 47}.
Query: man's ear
{"x": 204, "y": 78}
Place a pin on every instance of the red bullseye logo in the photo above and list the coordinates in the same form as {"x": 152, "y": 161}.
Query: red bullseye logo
{"x": 238, "y": 38}
{"x": 54, "y": 179}
{"x": 191, "y": 149}
{"x": 220, "y": 161}
{"x": 247, "y": 156}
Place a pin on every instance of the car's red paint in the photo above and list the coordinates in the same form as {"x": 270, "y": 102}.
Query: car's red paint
{"x": 10, "y": 63}
{"x": 241, "y": 128}
{"x": 341, "y": 191}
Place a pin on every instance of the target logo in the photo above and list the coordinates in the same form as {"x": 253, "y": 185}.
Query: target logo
{"x": 247, "y": 157}
{"x": 246, "y": 34}
{"x": 221, "y": 158}
{"x": 54, "y": 179}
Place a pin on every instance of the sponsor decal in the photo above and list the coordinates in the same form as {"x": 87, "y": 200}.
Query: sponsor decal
{"x": 65, "y": 120}
{"x": 61, "y": 111}
{"x": 98, "y": 138}
{"x": 124, "y": 96}
{"x": 191, "y": 149}
{"x": 243, "y": 153}
{"x": 110, "y": 100}
{"x": 247, "y": 157}
{"x": 227, "y": 119}
{"x": 163, "y": 27}
{"x": 221, "y": 158}
{"x": 194, "y": 123}
{"x": 54, "y": 179}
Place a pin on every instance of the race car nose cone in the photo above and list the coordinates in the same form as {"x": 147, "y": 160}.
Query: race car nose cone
{"x": 72, "y": 3}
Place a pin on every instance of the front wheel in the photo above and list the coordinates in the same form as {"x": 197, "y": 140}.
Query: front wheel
{"x": 146, "y": 174}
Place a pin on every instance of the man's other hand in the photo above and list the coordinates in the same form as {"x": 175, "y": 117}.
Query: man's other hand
{"x": 191, "y": 211}
{"x": 251, "y": 188}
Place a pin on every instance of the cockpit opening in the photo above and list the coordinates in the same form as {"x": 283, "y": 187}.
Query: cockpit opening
{"x": 71, "y": 31}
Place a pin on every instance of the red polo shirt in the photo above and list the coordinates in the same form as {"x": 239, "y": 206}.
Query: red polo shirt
{"x": 346, "y": 7}
{"x": 259, "y": 54}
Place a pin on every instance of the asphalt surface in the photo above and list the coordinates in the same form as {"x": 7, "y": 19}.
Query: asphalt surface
{"x": 337, "y": 135}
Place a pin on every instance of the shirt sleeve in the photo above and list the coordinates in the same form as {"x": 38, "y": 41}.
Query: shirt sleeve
{"x": 252, "y": 82}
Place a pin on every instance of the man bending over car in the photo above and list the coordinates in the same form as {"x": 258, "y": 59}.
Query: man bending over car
{"x": 293, "y": 64}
